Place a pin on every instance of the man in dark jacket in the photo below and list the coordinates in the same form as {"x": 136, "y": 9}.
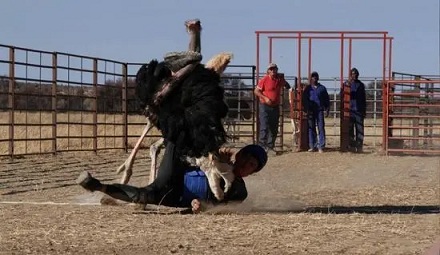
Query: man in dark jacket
{"x": 358, "y": 108}
{"x": 180, "y": 185}
{"x": 316, "y": 101}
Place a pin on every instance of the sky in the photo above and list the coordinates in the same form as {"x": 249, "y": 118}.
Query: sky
{"x": 138, "y": 31}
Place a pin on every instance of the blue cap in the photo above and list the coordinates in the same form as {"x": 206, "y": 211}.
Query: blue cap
{"x": 354, "y": 70}
{"x": 256, "y": 151}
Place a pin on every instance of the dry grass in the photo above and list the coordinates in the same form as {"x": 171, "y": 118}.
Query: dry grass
{"x": 268, "y": 222}
{"x": 35, "y": 130}
{"x": 78, "y": 131}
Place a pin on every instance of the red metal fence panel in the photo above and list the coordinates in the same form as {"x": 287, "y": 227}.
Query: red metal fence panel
{"x": 412, "y": 118}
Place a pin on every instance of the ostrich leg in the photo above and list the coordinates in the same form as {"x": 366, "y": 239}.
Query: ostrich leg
{"x": 293, "y": 122}
{"x": 127, "y": 166}
{"x": 154, "y": 152}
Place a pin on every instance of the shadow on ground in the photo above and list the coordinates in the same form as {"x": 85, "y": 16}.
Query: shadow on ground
{"x": 385, "y": 209}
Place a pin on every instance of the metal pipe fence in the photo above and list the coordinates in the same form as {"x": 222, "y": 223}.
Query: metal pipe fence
{"x": 52, "y": 102}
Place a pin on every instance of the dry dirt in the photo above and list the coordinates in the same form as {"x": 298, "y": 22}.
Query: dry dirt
{"x": 302, "y": 203}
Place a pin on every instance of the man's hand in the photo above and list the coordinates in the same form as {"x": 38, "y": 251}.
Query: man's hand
{"x": 327, "y": 113}
{"x": 267, "y": 100}
{"x": 196, "y": 206}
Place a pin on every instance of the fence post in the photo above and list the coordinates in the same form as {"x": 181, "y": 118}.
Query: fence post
{"x": 54, "y": 101}
{"x": 11, "y": 100}
{"x": 255, "y": 107}
{"x": 345, "y": 142}
{"x": 124, "y": 107}
{"x": 375, "y": 112}
{"x": 335, "y": 107}
{"x": 385, "y": 118}
{"x": 415, "y": 121}
{"x": 95, "y": 105}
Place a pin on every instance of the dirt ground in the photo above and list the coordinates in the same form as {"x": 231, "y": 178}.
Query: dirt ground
{"x": 301, "y": 203}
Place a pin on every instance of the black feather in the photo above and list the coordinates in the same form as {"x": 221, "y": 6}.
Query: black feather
{"x": 191, "y": 116}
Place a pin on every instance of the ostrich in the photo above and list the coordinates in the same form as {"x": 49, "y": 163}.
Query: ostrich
{"x": 192, "y": 96}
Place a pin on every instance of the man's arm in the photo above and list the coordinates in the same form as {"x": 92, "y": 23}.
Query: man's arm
{"x": 237, "y": 193}
{"x": 305, "y": 99}
{"x": 362, "y": 99}
{"x": 286, "y": 84}
{"x": 259, "y": 94}
{"x": 326, "y": 103}
{"x": 226, "y": 154}
{"x": 325, "y": 98}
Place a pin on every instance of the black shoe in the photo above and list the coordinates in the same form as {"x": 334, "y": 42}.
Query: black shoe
{"x": 89, "y": 183}
{"x": 271, "y": 153}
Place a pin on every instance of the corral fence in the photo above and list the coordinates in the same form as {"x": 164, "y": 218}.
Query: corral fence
{"x": 412, "y": 114}
{"x": 53, "y": 102}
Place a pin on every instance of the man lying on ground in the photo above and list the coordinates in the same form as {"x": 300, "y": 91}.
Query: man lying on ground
{"x": 183, "y": 186}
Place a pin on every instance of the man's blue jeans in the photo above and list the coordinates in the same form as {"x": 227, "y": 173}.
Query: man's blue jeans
{"x": 316, "y": 119}
{"x": 356, "y": 130}
{"x": 269, "y": 120}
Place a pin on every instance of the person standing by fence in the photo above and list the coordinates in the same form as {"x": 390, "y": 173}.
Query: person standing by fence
{"x": 268, "y": 91}
{"x": 358, "y": 109}
{"x": 316, "y": 101}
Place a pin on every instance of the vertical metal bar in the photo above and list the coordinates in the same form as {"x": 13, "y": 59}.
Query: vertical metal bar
{"x": 335, "y": 98}
{"x": 345, "y": 103}
{"x": 350, "y": 45}
{"x": 385, "y": 123}
{"x": 416, "y": 111}
{"x": 81, "y": 129}
{"x": 256, "y": 79}
{"x": 95, "y": 105}
{"x": 68, "y": 103}
{"x": 310, "y": 58}
{"x": 384, "y": 57}
{"x": 375, "y": 112}
{"x": 258, "y": 56}
{"x": 270, "y": 49}
{"x": 342, "y": 58}
{"x": 299, "y": 60}
{"x": 302, "y": 122}
{"x": 281, "y": 117}
{"x": 54, "y": 101}
{"x": 27, "y": 105}
{"x": 124, "y": 107}
{"x": 11, "y": 100}
{"x": 390, "y": 57}
{"x": 254, "y": 105}
{"x": 40, "y": 108}
{"x": 385, "y": 90}
{"x": 281, "y": 109}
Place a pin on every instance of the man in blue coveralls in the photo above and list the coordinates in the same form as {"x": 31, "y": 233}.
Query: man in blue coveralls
{"x": 358, "y": 108}
{"x": 316, "y": 103}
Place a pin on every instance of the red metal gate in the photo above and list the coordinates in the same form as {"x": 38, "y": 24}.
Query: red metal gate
{"x": 412, "y": 116}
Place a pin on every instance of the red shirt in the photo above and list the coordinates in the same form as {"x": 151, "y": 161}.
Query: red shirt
{"x": 271, "y": 87}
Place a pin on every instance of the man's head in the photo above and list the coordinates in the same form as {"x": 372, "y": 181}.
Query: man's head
{"x": 314, "y": 77}
{"x": 250, "y": 159}
{"x": 272, "y": 69}
{"x": 354, "y": 73}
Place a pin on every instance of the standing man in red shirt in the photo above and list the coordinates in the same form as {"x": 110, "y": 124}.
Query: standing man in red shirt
{"x": 268, "y": 91}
